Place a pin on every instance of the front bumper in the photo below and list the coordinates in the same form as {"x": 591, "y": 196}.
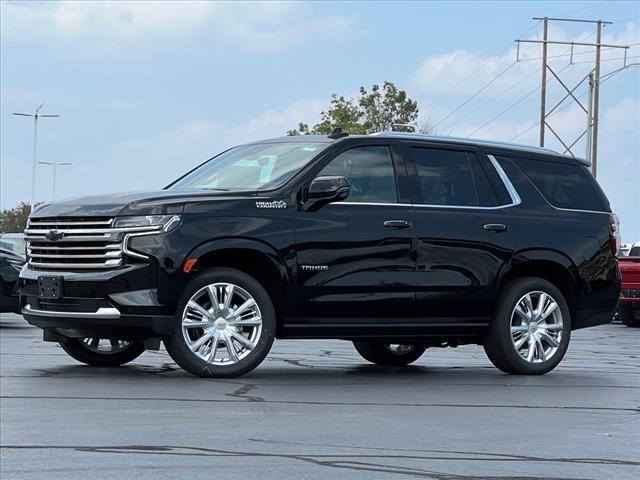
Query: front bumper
{"x": 116, "y": 303}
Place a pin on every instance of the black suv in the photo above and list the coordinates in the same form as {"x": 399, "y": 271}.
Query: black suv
{"x": 397, "y": 242}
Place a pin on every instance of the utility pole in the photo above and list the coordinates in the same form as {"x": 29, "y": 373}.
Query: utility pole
{"x": 543, "y": 90}
{"x": 594, "y": 79}
{"x": 35, "y": 115}
{"x": 55, "y": 166}
{"x": 596, "y": 102}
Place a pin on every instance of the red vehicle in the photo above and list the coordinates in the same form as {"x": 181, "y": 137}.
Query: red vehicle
{"x": 629, "y": 307}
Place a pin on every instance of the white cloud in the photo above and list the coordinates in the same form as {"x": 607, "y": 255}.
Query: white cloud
{"x": 439, "y": 73}
{"x": 154, "y": 161}
{"x": 87, "y": 27}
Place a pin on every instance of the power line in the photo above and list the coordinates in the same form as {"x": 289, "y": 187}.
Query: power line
{"x": 603, "y": 79}
{"x": 513, "y": 105}
{"x": 489, "y": 60}
{"x": 478, "y": 92}
{"x": 582, "y": 9}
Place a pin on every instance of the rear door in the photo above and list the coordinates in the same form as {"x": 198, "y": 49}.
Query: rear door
{"x": 355, "y": 263}
{"x": 464, "y": 236}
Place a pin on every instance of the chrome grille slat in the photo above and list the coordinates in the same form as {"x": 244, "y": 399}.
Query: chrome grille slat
{"x": 87, "y": 243}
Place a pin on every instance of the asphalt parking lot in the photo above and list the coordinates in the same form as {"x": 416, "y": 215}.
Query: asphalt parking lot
{"x": 315, "y": 410}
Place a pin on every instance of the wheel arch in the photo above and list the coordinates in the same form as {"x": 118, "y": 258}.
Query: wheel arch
{"x": 550, "y": 265}
{"x": 255, "y": 258}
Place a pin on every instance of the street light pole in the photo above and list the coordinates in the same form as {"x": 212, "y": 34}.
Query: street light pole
{"x": 55, "y": 168}
{"x": 35, "y": 115}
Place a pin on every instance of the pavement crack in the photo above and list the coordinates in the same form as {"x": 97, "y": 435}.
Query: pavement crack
{"x": 349, "y": 462}
{"x": 242, "y": 393}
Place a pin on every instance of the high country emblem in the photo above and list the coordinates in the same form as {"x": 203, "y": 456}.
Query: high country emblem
{"x": 274, "y": 204}
{"x": 54, "y": 235}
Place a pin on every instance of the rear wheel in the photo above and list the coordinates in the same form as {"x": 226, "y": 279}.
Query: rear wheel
{"x": 390, "y": 354}
{"x": 102, "y": 352}
{"x": 531, "y": 328}
{"x": 225, "y": 325}
{"x": 630, "y": 316}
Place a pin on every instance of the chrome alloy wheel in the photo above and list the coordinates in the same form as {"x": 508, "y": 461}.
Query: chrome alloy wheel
{"x": 399, "y": 348}
{"x": 106, "y": 346}
{"x": 536, "y": 327}
{"x": 221, "y": 323}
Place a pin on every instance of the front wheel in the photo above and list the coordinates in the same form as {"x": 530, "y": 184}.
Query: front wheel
{"x": 630, "y": 316}
{"x": 389, "y": 354}
{"x": 225, "y": 325}
{"x": 102, "y": 352}
{"x": 531, "y": 328}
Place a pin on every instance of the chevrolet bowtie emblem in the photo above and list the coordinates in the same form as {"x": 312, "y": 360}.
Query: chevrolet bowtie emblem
{"x": 54, "y": 235}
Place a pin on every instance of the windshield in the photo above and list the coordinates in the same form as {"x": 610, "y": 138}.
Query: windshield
{"x": 251, "y": 167}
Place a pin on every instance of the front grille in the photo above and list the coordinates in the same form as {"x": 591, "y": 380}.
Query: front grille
{"x": 71, "y": 243}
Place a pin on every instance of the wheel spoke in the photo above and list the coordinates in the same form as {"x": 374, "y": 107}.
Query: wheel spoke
{"x": 523, "y": 314}
{"x": 244, "y": 307}
{"x": 532, "y": 350}
{"x": 529, "y": 305}
{"x": 549, "y": 339}
{"x": 214, "y": 347}
{"x": 213, "y": 298}
{"x": 551, "y": 307}
{"x": 550, "y": 326}
{"x": 542, "y": 301}
{"x": 195, "y": 346}
{"x": 228, "y": 295}
{"x": 241, "y": 339}
{"x": 114, "y": 343}
{"x": 200, "y": 309}
{"x": 521, "y": 341}
{"x": 519, "y": 328}
{"x": 233, "y": 355}
{"x": 95, "y": 342}
{"x": 540, "y": 349}
{"x": 195, "y": 324}
{"x": 247, "y": 322}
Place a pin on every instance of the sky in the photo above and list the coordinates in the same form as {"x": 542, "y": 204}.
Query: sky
{"x": 146, "y": 90}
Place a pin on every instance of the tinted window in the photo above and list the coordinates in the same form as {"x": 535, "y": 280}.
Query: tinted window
{"x": 486, "y": 194}
{"x": 564, "y": 185}
{"x": 634, "y": 252}
{"x": 370, "y": 171}
{"x": 445, "y": 177}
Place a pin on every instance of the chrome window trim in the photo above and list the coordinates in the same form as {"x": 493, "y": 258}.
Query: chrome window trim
{"x": 513, "y": 194}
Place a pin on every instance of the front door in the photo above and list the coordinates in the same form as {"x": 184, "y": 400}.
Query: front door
{"x": 355, "y": 263}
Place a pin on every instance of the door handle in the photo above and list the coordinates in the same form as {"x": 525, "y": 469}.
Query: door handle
{"x": 397, "y": 224}
{"x": 496, "y": 227}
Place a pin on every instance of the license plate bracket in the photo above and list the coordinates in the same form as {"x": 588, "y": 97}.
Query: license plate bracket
{"x": 50, "y": 287}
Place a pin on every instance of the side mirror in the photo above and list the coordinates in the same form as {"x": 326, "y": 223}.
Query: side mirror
{"x": 324, "y": 190}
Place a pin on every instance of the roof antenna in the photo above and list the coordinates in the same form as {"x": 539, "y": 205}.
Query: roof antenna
{"x": 337, "y": 133}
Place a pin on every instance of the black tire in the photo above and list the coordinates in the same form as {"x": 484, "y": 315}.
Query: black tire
{"x": 630, "y": 316}
{"x": 499, "y": 345}
{"x": 189, "y": 361}
{"x": 384, "y": 355}
{"x": 78, "y": 350}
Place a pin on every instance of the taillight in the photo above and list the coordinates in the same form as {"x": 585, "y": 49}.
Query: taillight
{"x": 614, "y": 233}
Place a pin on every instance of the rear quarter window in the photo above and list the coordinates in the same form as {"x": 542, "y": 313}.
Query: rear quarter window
{"x": 565, "y": 185}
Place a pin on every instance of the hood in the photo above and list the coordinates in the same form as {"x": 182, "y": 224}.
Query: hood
{"x": 130, "y": 203}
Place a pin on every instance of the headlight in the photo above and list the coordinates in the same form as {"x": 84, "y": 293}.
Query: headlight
{"x": 165, "y": 223}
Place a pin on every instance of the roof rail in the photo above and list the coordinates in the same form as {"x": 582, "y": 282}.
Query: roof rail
{"x": 470, "y": 141}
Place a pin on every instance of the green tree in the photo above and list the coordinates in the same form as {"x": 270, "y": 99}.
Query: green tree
{"x": 14, "y": 220}
{"x": 376, "y": 110}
